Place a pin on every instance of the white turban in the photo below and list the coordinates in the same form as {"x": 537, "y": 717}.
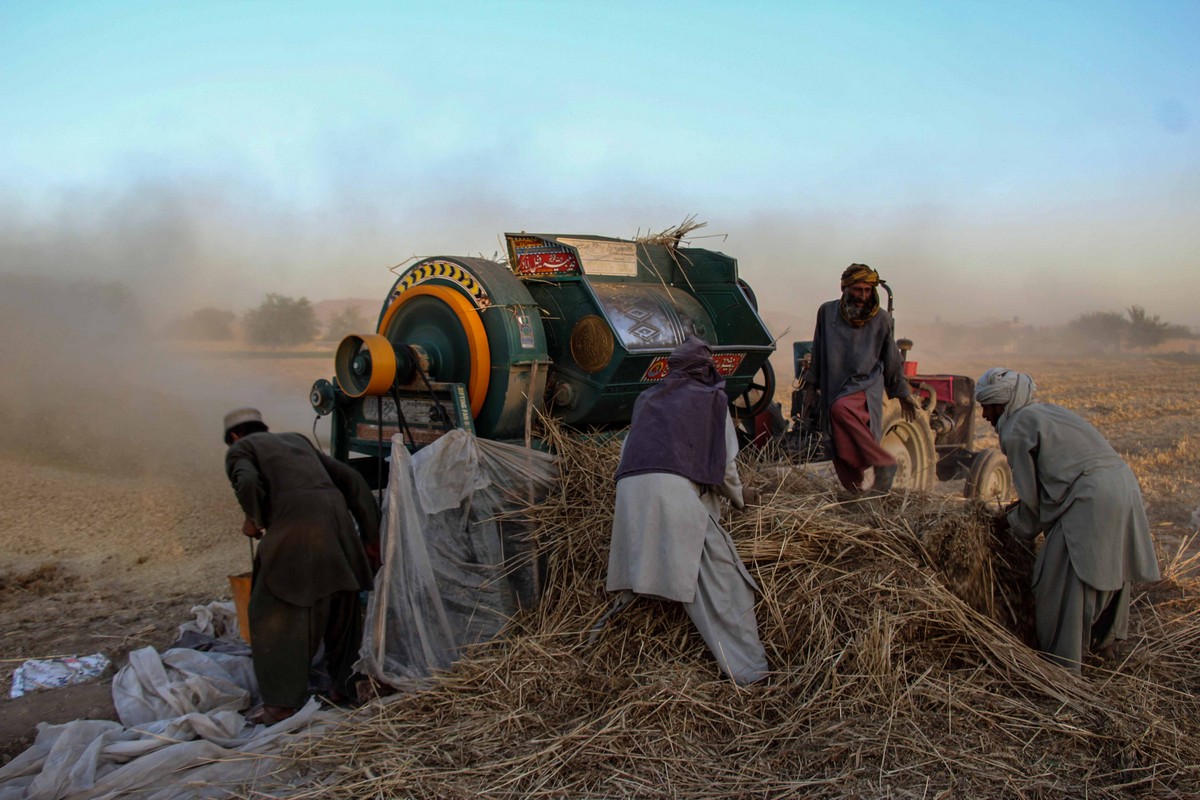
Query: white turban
{"x": 1009, "y": 388}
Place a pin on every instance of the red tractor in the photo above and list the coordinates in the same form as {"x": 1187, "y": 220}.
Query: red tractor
{"x": 937, "y": 446}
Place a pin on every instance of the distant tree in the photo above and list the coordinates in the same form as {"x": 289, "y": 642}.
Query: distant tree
{"x": 207, "y": 324}
{"x": 348, "y": 320}
{"x": 1099, "y": 330}
{"x": 1145, "y": 330}
{"x": 85, "y": 310}
{"x": 1180, "y": 332}
{"x": 281, "y": 322}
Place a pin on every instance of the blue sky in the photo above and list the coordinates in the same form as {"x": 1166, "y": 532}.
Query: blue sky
{"x": 1010, "y": 159}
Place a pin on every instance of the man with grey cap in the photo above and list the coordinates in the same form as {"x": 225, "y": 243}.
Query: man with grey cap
{"x": 312, "y": 562}
{"x": 1073, "y": 487}
{"x": 854, "y": 360}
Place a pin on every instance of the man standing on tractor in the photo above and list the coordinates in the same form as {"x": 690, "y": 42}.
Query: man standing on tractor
{"x": 1074, "y": 487}
{"x": 854, "y": 359}
{"x": 311, "y": 565}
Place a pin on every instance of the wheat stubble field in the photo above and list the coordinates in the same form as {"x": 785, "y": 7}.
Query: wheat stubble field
{"x": 111, "y": 533}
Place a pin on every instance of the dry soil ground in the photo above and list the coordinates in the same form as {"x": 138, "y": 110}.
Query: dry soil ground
{"x": 110, "y": 533}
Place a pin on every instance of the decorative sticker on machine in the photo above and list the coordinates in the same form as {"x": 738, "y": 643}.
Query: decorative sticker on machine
{"x": 726, "y": 364}
{"x": 536, "y": 256}
{"x": 442, "y": 269}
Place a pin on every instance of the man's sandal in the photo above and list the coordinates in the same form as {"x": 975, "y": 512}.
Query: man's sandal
{"x": 268, "y": 715}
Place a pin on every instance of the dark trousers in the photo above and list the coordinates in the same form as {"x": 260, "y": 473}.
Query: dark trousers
{"x": 285, "y": 638}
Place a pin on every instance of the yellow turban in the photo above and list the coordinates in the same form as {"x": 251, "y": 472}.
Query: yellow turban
{"x": 859, "y": 273}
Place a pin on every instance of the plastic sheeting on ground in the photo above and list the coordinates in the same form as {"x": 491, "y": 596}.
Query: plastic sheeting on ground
{"x": 180, "y": 736}
{"x": 180, "y": 682}
{"x": 217, "y": 619}
{"x": 44, "y": 674}
{"x": 458, "y": 561}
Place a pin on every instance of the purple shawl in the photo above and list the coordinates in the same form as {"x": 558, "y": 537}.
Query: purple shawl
{"x": 679, "y": 425}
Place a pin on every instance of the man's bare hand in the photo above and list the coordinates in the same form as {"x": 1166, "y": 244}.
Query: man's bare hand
{"x": 910, "y": 407}
{"x": 750, "y": 497}
{"x": 250, "y": 529}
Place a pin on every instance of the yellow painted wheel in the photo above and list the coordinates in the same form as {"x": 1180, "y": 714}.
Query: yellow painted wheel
{"x": 365, "y": 365}
{"x": 446, "y": 324}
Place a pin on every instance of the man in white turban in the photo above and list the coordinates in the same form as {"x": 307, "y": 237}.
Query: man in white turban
{"x": 1073, "y": 487}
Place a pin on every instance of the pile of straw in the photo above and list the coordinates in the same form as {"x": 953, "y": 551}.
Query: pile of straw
{"x": 893, "y": 627}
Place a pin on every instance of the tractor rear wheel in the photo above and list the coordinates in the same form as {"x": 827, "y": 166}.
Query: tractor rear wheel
{"x": 989, "y": 477}
{"x": 911, "y": 444}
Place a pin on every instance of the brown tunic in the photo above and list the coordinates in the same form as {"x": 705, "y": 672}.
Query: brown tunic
{"x": 308, "y": 503}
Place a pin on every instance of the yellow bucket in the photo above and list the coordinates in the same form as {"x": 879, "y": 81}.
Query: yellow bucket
{"x": 240, "y": 584}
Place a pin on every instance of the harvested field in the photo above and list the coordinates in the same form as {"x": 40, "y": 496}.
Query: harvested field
{"x": 899, "y": 672}
{"x": 894, "y": 630}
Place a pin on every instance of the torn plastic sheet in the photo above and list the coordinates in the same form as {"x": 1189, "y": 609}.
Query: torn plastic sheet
{"x": 178, "y": 682}
{"x": 182, "y": 736}
{"x": 458, "y": 559}
{"x": 217, "y": 619}
{"x": 43, "y": 674}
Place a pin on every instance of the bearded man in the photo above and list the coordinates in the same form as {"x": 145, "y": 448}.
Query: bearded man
{"x": 854, "y": 359}
{"x": 677, "y": 462}
{"x": 1073, "y": 487}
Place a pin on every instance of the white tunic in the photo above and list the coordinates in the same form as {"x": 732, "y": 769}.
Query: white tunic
{"x": 659, "y": 527}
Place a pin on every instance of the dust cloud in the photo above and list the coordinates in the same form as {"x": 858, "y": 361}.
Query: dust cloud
{"x": 89, "y": 385}
{"x": 92, "y": 274}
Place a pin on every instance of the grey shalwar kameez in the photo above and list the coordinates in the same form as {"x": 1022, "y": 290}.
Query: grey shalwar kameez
{"x": 668, "y": 541}
{"x": 1076, "y": 489}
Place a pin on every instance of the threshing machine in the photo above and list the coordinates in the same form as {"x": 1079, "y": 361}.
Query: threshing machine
{"x": 572, "y": 326}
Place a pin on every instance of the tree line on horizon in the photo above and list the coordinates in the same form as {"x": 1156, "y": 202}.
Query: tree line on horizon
{"x": 282, "y": 321}
{"x": 278, "y": 321}
{"x": 1134, "y": 330}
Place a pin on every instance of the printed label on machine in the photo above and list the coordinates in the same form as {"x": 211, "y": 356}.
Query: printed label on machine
{"x": 605, "y": 258}
{"x": 421, "y": 436}
{"x": 526, "y": 331}
{"x": 726, "y": 364}
{"x": 420, "y": 413}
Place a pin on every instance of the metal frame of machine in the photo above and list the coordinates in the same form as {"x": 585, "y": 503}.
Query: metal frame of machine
{"x": 573, "y": 326}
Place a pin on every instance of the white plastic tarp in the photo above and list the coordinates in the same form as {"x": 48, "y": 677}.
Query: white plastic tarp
{"x": 456, "y": 567}
{"x": 180, "y": 736}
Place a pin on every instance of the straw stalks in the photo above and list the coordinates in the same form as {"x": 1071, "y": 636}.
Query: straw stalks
{"x": 897, "y": 630}
{"x": 672, "y": 236}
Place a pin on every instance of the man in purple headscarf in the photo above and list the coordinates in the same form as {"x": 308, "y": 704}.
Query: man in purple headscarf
{"x": 667, "y": 540}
